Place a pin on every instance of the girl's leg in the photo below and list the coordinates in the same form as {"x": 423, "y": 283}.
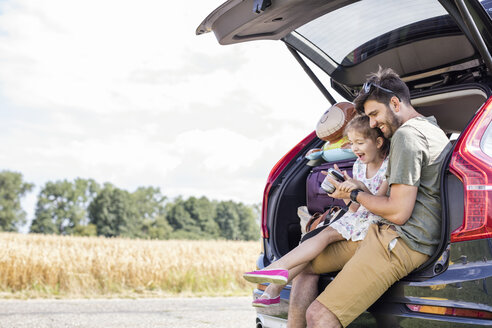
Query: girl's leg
{"x": 307, "y": 251}
{"x": 273, "y": 290}
{"x": 318, "y": 244}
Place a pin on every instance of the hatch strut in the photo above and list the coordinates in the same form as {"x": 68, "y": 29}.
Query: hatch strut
{"x": 311, "y": 74}
{"x": 472, "y": 27}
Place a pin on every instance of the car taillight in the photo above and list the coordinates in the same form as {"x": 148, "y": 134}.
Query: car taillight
{"x": 450, "y": 311}
{"x": 274, "y": 173}
{"x": 473, "y": 167}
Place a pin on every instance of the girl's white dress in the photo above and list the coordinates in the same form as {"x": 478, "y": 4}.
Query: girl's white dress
{"x": 354, "y": 225}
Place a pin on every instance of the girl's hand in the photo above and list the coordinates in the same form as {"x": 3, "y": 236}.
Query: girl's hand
{"x": 344, "y": 188}
{"x": 343, "y": 172}
{"x": 339, "y": 194}
{"x": 348, "y": 185}
{"x": 356, "y": 184}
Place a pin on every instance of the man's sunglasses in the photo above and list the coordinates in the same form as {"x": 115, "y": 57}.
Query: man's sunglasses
{"x": 368, "y": 85}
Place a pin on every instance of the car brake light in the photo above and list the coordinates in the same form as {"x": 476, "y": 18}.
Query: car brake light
{"x": 472, "y": 166}
{"x": 450, "y": 311}
{"x": 274, "y": 173}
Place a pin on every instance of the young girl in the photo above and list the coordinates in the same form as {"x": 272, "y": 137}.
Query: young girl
{"x": 371, "y": 148}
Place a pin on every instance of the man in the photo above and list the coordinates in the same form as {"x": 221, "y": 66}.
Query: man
{"x": 411, "y": 229}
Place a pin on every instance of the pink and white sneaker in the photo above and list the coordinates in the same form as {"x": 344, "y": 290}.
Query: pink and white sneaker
{"x": 266, "y": 301}
{"x": 278, "y": 276}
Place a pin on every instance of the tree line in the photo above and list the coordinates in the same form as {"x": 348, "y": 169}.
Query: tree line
{"x": 84, "y": 207}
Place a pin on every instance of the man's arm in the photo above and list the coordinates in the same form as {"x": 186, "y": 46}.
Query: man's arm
{"x": 396, "y": 208}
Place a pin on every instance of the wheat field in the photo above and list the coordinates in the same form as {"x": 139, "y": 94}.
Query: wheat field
{"x": 72, "y": 267}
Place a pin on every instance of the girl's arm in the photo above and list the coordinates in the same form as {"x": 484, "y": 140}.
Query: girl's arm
{"x": 354, "y": 207}
{"x": 381, "y": 192}
{"x": 350, "y": 184}
{"x": 383, "y": 189}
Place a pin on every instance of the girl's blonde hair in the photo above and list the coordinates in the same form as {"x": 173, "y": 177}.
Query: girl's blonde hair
{"x": 360, "y": 123}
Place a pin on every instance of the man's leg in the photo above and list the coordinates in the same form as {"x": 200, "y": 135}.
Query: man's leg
{"x": 305, "y": 285}
{"x": 368, "y": 274}
{"x": 304, "y": 291}
{"x": 318, "y": 316}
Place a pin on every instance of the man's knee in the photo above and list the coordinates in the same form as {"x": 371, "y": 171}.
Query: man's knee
{"x": 311, "y": 316}
{"x": 317, "y": 315}
{"x": 305, "y": 286}
{"x": 304, "y": 291}
{"x": 308, "y": 270}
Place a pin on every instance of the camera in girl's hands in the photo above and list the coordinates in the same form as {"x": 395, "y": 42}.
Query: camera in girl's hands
{"x": 337, "y": 175}
{"x": 334, "y": 174}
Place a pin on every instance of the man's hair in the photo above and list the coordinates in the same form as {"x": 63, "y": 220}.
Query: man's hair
{"x": 387, "y": 79}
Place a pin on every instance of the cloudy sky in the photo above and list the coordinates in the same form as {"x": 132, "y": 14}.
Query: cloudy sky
{"x": 123, "y": 91}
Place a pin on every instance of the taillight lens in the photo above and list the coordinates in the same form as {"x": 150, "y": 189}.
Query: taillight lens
{"x": 473, "y": 167}
{"x": 450, "y": 311}
{"x": 274, "y": 173}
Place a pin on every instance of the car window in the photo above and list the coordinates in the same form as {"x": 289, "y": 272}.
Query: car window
{"x": 355, "y": 32}
{"x": 486, "y": 142}
{"x": 487, "y": 5}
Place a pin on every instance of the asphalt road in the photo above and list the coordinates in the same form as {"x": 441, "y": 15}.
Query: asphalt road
{"x": 214, "y": 312}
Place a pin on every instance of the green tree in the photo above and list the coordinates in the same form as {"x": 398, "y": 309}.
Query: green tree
{"x": 12, "y": 189}
{"x": 182, "y": 222}
{"x": 85, "y": 230}
{"x": 62, "y": 207}
{"x": 248, "y": 225}
{"x": 203, "y": 212}
{"x": 150, "y": 205}
{"x": 158, "y": 228}
{"x": 228, "y": 220}
{"x": 114, "y": 213}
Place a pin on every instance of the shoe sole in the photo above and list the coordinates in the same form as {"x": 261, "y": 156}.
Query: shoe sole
{"x": 260, "y": 305}
{"x": 258, "y": 278}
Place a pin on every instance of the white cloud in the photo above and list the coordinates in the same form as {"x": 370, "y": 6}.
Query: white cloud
{"x": 123, "y": 91}
{"x": 220, "y": 149}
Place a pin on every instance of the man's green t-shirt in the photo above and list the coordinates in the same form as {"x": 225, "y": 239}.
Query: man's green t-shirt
{"x": 418, "y": 149}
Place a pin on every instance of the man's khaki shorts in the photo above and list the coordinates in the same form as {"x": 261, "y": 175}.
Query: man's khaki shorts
{"x": 368, "y": 269}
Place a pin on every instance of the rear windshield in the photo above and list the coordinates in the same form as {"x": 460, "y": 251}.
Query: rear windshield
{"x": 487, "y": 5}
{"x": 365, "y": 28}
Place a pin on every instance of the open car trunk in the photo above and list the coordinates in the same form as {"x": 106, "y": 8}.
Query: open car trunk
{"x": 432, "y": 45}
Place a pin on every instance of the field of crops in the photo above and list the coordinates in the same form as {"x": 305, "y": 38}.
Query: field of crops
{"x": 53, "y": 266}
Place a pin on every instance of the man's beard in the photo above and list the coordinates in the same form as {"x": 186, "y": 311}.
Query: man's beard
{"x": 393, "y": 123}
